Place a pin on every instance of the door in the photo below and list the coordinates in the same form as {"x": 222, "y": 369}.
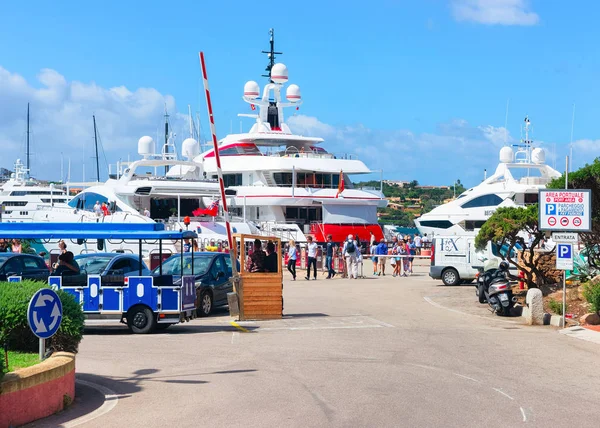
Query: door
{"x": 219, "y": 278}
{"x": 35, "y": 268}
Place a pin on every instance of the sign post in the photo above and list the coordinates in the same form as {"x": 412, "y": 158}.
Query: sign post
{"x": 564, "y": 262}
{"x": 44, "y": 315}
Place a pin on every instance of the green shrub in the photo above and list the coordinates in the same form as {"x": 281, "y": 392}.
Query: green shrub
{"x": 14, "y": 329}
{"x": 556, "y": 306}
{"x": 591, "y": 292}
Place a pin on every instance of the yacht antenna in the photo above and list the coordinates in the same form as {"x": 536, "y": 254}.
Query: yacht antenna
{"x": 506, "y": 122}
{"x": 166, "y": 149}
{"x": 191, "y": 121}
{"x": 271, "y": 54}
{"x": 27, "y": 152}
{"x": 96, "y": 147}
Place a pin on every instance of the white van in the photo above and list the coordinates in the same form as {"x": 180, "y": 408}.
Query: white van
{"x": 455, "y": 260}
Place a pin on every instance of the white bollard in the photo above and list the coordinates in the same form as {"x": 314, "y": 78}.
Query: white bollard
{"x": 535, "y": 304}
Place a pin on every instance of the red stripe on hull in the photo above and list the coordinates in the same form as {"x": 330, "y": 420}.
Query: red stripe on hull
{"x": 340, "y": 232}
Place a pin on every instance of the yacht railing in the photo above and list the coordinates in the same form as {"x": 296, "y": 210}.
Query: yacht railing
{"x": 294, "y": 152}
{"x": 278, "y": 230}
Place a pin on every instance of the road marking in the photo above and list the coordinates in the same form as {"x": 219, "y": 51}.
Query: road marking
{"x": 333, "y": 327}
{"x": 235, "y": 337}
{"x": 503, "y": 393}
{"x": 437, "y": 305}
{"x": 239, "y": 327}
{"x": 110, "y": 401}
{"x": 465, "y": 377}
{"x": 523, "y": 413}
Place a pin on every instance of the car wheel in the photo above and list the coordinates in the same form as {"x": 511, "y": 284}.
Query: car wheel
{"x": 450, "y": 277}
{"x": 206, "y": 304}
{"x": 141, "y": 320}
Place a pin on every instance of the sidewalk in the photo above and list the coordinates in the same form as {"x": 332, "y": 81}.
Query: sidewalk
{"x": 588, "y": 333}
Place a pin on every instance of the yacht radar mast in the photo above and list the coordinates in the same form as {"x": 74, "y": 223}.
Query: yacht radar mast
{"x": 524, "y": 149}
{"x": 271, "y": 54}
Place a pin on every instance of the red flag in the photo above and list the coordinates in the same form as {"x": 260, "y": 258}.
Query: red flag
{"x": 212, "y": 210}
{"x": 341, "y": 185}
{"x": 252, "y": 106}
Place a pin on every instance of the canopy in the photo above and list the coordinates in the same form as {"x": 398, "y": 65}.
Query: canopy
{"x": 149, "y": 231}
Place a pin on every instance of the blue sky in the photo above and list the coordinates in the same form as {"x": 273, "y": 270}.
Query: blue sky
{"x": 410, "y": 86}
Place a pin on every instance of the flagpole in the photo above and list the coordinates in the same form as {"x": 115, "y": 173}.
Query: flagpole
{"x": 218, "y": 162}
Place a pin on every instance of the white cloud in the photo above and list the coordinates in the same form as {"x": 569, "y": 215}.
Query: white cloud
{"x": 494, "y": 12}
{"x": 456, "y": 150}
{"x": 61, "y": 121}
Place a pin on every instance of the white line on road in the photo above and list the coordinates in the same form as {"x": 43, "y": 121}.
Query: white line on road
{"x": 333, "y": 327}
{"x": 437, "y": 305}
{"x": 523, "y": 413}
{"x": 110, "y": 401}
{"x": 465, "y": 377}
{"x": 503, "y": 393}
{"x": 235, "y": 337}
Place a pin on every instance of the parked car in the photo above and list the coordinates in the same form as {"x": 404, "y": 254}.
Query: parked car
{"x": 105, "y": 264}
{"x": 212, "y": 272}
{"x": 27, "y": 266}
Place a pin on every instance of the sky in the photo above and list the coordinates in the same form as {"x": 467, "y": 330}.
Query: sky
{"x": 418, "y": 89}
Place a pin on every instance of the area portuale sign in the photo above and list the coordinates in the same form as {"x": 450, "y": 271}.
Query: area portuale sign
{"x": 565, "y": 210}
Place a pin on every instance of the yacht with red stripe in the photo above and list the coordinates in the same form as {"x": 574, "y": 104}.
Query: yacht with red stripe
{"x": 288, "y": 184}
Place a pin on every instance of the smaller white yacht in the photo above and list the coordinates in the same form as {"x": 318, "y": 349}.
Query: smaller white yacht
{"x": 21, "y": 195}
{"x": 522, "y": 172}
{"x": 140, "y": 195}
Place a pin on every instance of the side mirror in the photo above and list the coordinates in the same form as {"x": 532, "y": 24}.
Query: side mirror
{"x": 220, "y": 274}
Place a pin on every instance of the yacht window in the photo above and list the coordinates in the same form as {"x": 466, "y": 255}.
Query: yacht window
{"x": 86, "y": 201}
{"x": 531, "y": 198}
{"x": 483, "y": 201}
{"x": 15, "y": 203}
{"x": 303, "y": 215}
{"x": 438, "y": 224}
{"x": 308, "y": 179}
{"x": 232, "y": 180}
{"x": 473, "y": 224}
{"x": 240, "y": 149}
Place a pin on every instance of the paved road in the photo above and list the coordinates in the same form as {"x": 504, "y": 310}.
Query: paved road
{"x": 385, "y": 352}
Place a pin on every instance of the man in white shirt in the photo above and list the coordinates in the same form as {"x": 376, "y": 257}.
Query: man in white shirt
{"x": 350, "y": 252}
{"x": 311, "y": 249}
{"x": 146, "y": 212}
{"x": 98, "y": 209}
{"x": 418, "y": 244}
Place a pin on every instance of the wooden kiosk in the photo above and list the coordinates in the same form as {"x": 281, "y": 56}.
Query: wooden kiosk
{"x": 260, "y": 294}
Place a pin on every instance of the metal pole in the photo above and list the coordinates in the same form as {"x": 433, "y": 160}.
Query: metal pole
{"x": 218, "y": 164}
{"x": 42, "y": 348}
{"x": 96, "y": 146}
{"x": 28, "y": 166}
{"x": 564, "y": 297}
{"x": 178, "y": 208}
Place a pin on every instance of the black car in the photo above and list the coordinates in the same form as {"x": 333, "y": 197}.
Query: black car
{"x": 212, "y": 272}
{"x": 111, "y": 264}
{"x": 27, "y": 266}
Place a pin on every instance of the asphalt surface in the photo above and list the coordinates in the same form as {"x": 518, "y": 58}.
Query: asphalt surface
{"x": 377, "y": 352}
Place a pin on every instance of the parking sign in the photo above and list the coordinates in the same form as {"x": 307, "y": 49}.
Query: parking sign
{"x": 565, "y": 210}
{"x": 564, "y": 256}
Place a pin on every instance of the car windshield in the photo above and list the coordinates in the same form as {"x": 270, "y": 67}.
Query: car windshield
{"x": 172, "y": 266}
{"x": 93, "y": 264}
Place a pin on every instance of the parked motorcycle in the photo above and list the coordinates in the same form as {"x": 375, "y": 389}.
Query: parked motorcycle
{"x": 494, "y": 288}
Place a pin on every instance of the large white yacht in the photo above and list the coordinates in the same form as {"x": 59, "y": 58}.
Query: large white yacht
{"x": 140, "y": 195}
{"x": 522, "y": 172}
{"x": 21, "y": 195}
{"x": 288, "y": 184}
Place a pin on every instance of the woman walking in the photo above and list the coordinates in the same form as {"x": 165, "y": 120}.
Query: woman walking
{"x": 292, "y": 256}
{"x": 397, "y": 260}
{"x": 373, "y": 252}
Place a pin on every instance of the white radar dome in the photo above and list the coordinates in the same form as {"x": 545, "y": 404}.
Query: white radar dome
{"x": 251, "y": 90}
{"x": 293, "y": 93}
{"x": 279, "y": 73}
{"x": 538, "y": 156}
{"x": 146, "y": 146}
{"x": 507, "y": 155}
{"x": 190, "y": 148}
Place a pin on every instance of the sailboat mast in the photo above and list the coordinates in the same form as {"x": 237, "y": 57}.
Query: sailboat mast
{"x": 166, "y": 149}
{"x": 27, "y": 153}
{"x": 96, "y": 145}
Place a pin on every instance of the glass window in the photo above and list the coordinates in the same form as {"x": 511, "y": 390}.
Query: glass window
{"x": 172, "y": 266}
{"x": 232, "y": 180}
{"x": 483, "y": 201}
{"x": 439, "y": 224}
{"x": 473, "y": 224}
{"x": 123, "y": 264}
{"x": 12, "y": 265}
{"x": 93, "y": 265}
{"x": 86, "y": 201}
{"x": 32, "y": 263}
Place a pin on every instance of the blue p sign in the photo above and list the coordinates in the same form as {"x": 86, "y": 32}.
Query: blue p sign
{"x": 564, "y": 251}
{"x": 550, "y": 209}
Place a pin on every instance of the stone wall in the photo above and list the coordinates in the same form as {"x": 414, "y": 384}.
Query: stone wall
{"x": 546, "y": 262}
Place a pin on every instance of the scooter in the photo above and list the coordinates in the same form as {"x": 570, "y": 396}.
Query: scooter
{"x": 494, "y": 288}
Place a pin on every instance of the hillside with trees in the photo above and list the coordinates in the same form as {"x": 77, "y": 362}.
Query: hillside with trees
{"x": 408, "y": 200}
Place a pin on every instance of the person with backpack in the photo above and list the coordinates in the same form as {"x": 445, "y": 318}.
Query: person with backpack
{"x": 350, "y": 251}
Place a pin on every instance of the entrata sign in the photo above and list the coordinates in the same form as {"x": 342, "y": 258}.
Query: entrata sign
{"x": 565, "y": 237}
{"x": 565, "y": 210}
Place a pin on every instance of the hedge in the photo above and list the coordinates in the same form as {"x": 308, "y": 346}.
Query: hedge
{"x": 14, "y": 329}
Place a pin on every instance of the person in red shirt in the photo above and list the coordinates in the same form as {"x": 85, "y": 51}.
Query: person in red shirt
{"x": 105, "y": 209}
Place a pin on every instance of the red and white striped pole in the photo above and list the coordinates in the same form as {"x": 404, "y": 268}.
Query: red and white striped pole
{"x": 218, "y": 161}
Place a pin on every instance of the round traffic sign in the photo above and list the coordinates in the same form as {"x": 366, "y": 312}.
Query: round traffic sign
{"x": 552, "y": 221}
{"x": 564, "y": 221}
{"x": 547, "y": 199}
{"x": 580, "y": 200}
{"x": 44, "y": 313}
{"x": 576, "y": 222}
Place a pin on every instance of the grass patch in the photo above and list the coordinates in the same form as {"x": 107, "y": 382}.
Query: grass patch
{"x": 20, "y": 360}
